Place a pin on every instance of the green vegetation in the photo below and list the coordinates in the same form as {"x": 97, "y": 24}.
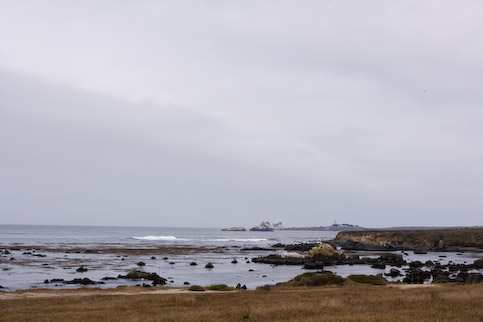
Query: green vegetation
{"x": 220, "y": 287}
{"x": 315, "y": 279}
{"x": 196, "y": 288}
{"x": 368, "y": 279}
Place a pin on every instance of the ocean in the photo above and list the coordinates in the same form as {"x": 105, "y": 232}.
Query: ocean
{"x": 29, "y": 255}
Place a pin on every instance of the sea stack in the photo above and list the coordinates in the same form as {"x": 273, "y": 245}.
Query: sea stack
{"x": 264, "y": 226}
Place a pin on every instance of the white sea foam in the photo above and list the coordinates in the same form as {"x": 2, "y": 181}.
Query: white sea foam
{"x": 291, "y": 254}
{"x": 156, "y": 238}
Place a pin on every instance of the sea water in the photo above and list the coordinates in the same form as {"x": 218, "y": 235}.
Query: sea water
{"x": 64, "y": 248}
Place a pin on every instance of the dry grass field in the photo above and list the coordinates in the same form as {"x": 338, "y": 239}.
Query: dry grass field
{"x": 350, "y": 302}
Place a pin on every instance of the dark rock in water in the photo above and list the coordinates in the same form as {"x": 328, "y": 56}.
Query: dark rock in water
{"x": 244, "y": 287}
{"x": 186, "y": 283}
{"x": 193, "y": 263}
{"x": 133, "y": 275}
{"x": 440, "y": 276}
{"x": 83, "y": 281}
{"x": 56, "y": 280}
{"x": 428, "y": 263}
{"x": 313, "y": 265}
{"x": 6, "y": 252}
{"x": 469, "y": 278}
{"x": 81, "y": 269}
{"x": 278, "y": 245}
{"x": 415, "y": 264}
{"x": 146, "y": 285}
{"x": 303, "y": 247}
{"x": 108, "y": 278}
{"x": 248, "y": 262}
{"x": 238, "y": 286}
{"x": 165, "y": 258}
{"x": 478, "y": 263}
{"x": 420, "y": 251}
{"x": 256, "y": 248}
{"x": 46, "y": 282}
{"x": 392, "y": 259}
{"x": 209, "y": 265}
{"x": 234, "y": 261}
{"x": 141, "y": 264}
{"x": 279, "y": 260}
{"x": 264, "y": 275}
{"x": 251, "y": 270}
{"x": 39, "y": 255}
{"x": 153, "y": 257}
{"x": 416, "y": 276}
{"x": 394, "y": 272}
{"x": 172, "y": 263}
{"x": 378, "y": 266}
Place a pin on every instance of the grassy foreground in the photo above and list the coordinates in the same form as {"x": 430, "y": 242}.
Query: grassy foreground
{"x": 351, "y": 302}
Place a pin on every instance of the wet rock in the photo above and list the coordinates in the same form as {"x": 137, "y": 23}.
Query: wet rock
{"x": 133, "y": 275}
{"x": 303, "y": 247}
{"x": 279, "y": 260}
{"x": 186, "y": 283}
{"x": 278, "y": 245}
{"x": 238, "y": 286}
{"x": 193, "y": 263}
{"x": 416, "y": 276}
{"x": 314, "y": 265}
{"x": 81, "y": 269}
{"x": 421, "y": 251}
{"x": 6, "y": 252}
{"x": 234, "y": 261}
{"x": 415, "y": 264}
{"x": 56, "y": 280}
{"x": 378, "y": 266}
{"x": 165, "y": 258}
{"x": 394, "y": 272}
{"x": 392, "y": 259}
{"x": 478, "y": 263}
{"x": 251, "y": 270}
{"x": 82, "y": 281}
{"x": 244, "y": 287}
{"x": 209, "y": 265}
{"x": 46, "y": 282}
{"x": 153, "y": 257}
{"x": 469, "y": 278}
{"x": 172, "y": 263}
{"x": 428, "y": 263}
{"x": 108, "y": 278}
{"x": 141, "y": 264}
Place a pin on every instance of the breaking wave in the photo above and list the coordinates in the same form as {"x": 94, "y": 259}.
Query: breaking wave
{"x": 239, "y": 239}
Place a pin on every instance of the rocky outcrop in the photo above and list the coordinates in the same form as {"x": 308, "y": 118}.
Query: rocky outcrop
{"x": 264, "y": 226}
{"x": 323, "y": 249}
{"x": 418, "y": 240}
{"x": 278, "y": 225}
{"x": 135, "y": 275}
{"x": 239, "y": 228}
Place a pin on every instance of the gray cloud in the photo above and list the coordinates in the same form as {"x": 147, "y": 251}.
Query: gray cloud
{"x": 219, "y": 113}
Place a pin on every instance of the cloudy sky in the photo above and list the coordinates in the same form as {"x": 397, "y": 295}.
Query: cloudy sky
{"x": 224, "y": 113}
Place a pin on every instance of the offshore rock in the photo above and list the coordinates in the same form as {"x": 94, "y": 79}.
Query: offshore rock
{"x": 264, "y": 226}
{"x": 239, "y": 228}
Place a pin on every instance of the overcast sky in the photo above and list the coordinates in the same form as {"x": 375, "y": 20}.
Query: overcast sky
{"x": 224, "y": 113}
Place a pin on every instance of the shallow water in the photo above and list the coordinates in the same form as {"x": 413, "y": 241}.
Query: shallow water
{"x": 218, "y": 247}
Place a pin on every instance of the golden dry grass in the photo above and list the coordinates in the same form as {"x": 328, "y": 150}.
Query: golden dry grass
{"x": 352, "y": 302}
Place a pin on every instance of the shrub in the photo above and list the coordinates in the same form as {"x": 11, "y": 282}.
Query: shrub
{"x": 316, "y": 279}
{"x": 196, "y": 288}
{"x": 368, "y": 279}
{"x": 220, "y": 287}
